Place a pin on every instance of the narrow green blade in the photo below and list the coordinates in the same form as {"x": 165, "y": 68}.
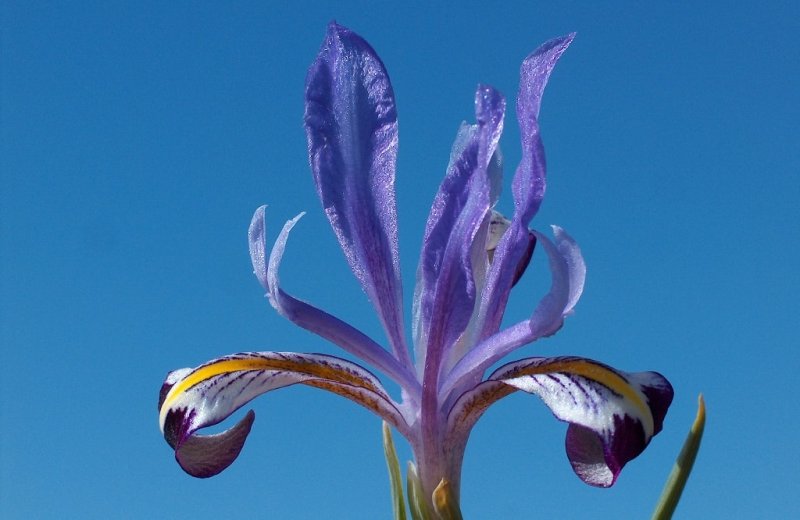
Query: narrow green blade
{"x": 416, "y": 499}
{"x": 683, "y": 466}
{"x": 395, "y": 479}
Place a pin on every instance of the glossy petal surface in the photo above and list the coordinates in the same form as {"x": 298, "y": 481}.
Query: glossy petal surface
{"x": 456, "y": 232}
{"x": 351, "y": 124}
{"x": 528, "y": 185}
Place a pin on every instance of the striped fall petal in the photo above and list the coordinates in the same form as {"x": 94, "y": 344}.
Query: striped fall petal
{"x": 612, "y": 415}
{"x": 192, "y": 399}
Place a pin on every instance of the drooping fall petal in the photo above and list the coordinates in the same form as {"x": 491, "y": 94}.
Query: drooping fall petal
{"x": 612, "y": 415}
{"x": 192, "y": 399}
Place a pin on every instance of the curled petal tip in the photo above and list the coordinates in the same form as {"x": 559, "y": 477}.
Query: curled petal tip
{"x": 335, "y": 28}
{"x": 257, "y": 240}
{"x": 571, "y": 252}
{"x": 534, "y": 75}
{"x": 204, "y": 456}
{"x": 556, "y": 45}
{"x": 598, "y": 456}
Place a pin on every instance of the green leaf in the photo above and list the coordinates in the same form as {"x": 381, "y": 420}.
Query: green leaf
{"x": 395, "y": 479}
{"x": 683, "y": 466}
{"x": 416, "y": 497}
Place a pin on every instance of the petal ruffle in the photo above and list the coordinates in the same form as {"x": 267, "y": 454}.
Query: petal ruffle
{"x": 612, "y": 415}
{"x": 311, "y": 318}
{"x": 351, "y": 125}
{"x": 528, "y": 185}
{"x": 529, "y": 180}
{"x": 192, "y": 399}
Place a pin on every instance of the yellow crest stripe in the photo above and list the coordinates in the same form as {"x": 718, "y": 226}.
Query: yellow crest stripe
{"x": 296, "y": 364}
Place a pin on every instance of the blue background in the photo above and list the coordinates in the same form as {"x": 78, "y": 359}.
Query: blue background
{"x": 138, "y": 138}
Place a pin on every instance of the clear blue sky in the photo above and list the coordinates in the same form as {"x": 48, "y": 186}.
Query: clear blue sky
{"x": 138, "y": 139}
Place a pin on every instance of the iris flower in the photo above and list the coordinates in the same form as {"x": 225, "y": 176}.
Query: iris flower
{"x": 471, "y": 258}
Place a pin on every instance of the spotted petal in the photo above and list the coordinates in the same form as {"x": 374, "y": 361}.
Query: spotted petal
{"x": 612, "y": 415}
{"x": 192, "y": 399}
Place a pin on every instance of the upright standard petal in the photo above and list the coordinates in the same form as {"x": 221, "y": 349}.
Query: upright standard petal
{"x": 528, "y": 185}
{"x": 456, "y": 230}
{"x": 315, "y": 320}
{"x": 456, "y": 239}
{"x": 351, "y": 125}
{"x": 612, "y": 415}
{"x": 192, "y": 399}
{"x": 529, "y": 180}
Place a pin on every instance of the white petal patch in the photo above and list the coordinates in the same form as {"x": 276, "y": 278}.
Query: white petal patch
{"x": 575, "y": 400}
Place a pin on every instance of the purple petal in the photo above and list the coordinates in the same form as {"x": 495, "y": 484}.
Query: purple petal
{"x": 612, "y": 415}
{"x": 192, "y": 399}
{"x": 528, "y": 185}
{"x": 529, "y": 181}
{"x": 204, "y": 456}
{"x": 445, "y": 293}
{"x": 312, "y": 318}
{"x": 510, "y": 258}
{"x": 447, "y": 204}
{"x": 568, "y": 272}
{"x": 258, "y": 250}
{"x": 351, "y": 124}
{"x": 576, "y": 268}
{"x": 455, "y": 239}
